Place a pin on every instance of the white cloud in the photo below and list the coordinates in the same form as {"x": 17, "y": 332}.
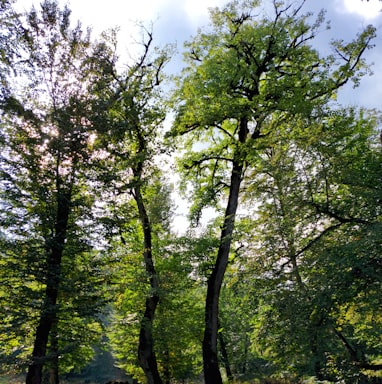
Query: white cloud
{"x": 366, "y": 9}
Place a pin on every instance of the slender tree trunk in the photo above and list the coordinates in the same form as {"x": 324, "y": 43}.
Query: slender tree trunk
{"x": 146, "y": 354}
{"x": 48, "y": 315}
{"x": 210, "y": 356}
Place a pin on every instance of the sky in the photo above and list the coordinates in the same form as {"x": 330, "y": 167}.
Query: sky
{"x": 175, "y": 21}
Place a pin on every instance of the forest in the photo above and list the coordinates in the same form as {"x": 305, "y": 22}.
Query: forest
{"x": 281, "y": 284}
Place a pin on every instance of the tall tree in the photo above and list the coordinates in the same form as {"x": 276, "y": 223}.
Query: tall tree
{"x": 47, "y": 148}
{"x": 243, "y": 75}
{"x": 134, "y": 124}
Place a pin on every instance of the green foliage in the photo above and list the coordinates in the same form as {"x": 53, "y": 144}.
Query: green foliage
{"x": 177, "y": 326}
{"x": 10, "y": 44}
{"x": 259, "y": 69}
{"x": 319, "y": 247}
{"x": 301, "y": 295}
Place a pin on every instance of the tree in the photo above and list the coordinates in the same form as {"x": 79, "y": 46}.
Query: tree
{"x": 46, "y": 161}
{"x": 318, "y": 217}
{"x": 243, "y": 76}
{"x": 133, "y": 123}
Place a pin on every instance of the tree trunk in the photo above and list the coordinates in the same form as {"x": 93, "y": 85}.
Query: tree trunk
{"x": 210, "y": 357}
{"x": 146, "y": 354}
{"x": 48, "y": 315}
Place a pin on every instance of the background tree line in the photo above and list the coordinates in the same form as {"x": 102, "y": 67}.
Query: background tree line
{"x": 285, "y": 281}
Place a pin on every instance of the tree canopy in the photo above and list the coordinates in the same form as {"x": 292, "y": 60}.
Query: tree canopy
{"x": 283, "y": 283}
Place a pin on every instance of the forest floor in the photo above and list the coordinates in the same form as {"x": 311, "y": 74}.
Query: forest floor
{"x": 21, "y": 380}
